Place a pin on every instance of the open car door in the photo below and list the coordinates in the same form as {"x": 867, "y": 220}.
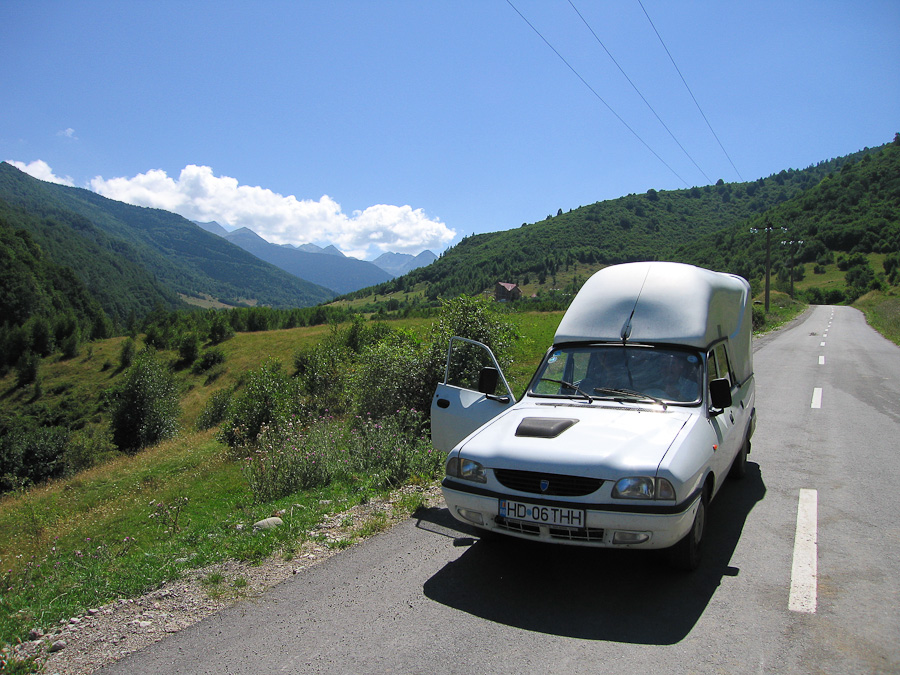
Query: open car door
{"x": 468, "y": 397}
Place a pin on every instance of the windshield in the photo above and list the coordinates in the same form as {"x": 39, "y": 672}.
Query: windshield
{"x": 621, "y": 372}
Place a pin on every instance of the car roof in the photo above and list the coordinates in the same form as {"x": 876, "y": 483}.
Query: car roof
{"x": 662, "y": 302}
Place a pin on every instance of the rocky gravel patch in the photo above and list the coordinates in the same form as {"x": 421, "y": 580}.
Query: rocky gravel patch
{"x": 82, "y": 644}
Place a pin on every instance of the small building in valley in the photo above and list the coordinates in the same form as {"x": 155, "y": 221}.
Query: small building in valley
{"x": 504, "y": 292}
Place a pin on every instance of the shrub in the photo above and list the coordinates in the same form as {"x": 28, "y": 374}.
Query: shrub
{"x": 215, "y": 410}
{"x": 145, "y": 407}
{"x": 88, "y": 447}
{"x": 391, "y": 375}
{"x": 70, "y": 346}
{"x": 220, "y": 330}
{"x": 126, "y": 353}
{"x": 211, "y": 357}
{"x": 271, "y": 398}
{"x": 188, "y": 348}
{"x": 322, "y": 371}
{"x": 27, "y": 368}
{"x": 759, "y": 317}
{"x": 386, "y": 452}
{"x": 399, "y": 371}
{"x": 30, "y": 456}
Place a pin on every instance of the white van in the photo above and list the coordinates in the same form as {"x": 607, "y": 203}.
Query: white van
{"x": 637, "y": 413}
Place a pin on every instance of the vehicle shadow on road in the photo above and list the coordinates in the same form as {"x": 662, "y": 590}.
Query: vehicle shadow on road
{"x": 592, "y": 594}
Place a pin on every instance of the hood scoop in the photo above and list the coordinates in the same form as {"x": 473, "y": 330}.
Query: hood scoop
{"x": 543, "y": 427}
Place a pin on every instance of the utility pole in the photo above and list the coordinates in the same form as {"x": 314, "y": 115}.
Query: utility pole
{"x": 768, "y": 229}
{"x": 790, "y": 245}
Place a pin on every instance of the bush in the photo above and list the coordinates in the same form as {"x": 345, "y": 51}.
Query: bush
{"x": 126, "y": 354}
{"x": 388, "y": 452}
{"x": 70, "y": 346}
{"x": 27, "y": 368}
{"x": 393, "y": 374}
{"x": 188, "y": 348}
{"x": 145, "y": 407}
{"x": 400, "y": 371}
{"x": 759, "y": 317}
{"x": 271, "y": 398}
{"x": 220, "y": 330}
{"x": 30, "y": 456}
{"x": 211, "y": 357}
{"x": 88, "y": 447}
{"x": 215, "y": 410}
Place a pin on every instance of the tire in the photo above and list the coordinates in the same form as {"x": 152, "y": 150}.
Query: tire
{"x": 687, "y": 553}
{"x": 739, "y": 466}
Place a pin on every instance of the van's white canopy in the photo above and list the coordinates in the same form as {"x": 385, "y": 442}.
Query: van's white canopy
{"x": 663, "y": 302}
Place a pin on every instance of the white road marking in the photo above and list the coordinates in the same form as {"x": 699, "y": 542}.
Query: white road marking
{"x": 821, "y": 359}
{"x": 821, "y": 344}
{"x": 817, "y": 398}
{"x": 804, "y": 570}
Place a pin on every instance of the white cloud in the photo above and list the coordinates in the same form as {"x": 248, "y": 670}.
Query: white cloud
{"x": 41, "y": 170}
{"x": 199, "y": 195}
{"x": 68, "y": 133}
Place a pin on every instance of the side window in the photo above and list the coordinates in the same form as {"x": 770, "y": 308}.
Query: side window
{"x": 711, "y": 367}
{"x": 465, "y": 362}
{"x": 723, "y": 368}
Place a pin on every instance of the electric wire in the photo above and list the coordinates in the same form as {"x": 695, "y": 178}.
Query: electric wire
{"x": 634, "y": 86}
{"x": 678, "y": 70}
{"x": 594, "y": 92}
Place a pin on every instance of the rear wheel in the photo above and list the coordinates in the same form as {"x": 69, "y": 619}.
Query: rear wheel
{"x": 686, "y": 554}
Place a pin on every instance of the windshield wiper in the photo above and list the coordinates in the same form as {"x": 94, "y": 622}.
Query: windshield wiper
{"x": 627, "y": 394}
{"x": 570, "y": 385}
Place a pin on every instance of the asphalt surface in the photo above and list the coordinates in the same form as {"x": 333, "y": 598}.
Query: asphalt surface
{"x": 429, "y": 597}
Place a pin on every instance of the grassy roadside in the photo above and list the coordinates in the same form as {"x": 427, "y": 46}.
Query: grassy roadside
{"x": 883, "y": 314}
{"x": 127, "y": 526}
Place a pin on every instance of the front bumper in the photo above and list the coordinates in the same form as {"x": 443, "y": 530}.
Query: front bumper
{"x": 606, "y": 525}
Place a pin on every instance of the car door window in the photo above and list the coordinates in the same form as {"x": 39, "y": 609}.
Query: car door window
{"x": 718, "y": 366}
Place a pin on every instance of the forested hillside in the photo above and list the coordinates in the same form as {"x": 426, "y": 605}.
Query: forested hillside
{"x": 125, "y": 243}
{"x": 44, "y": 305}
{"x": 684, "y": 225}
{"x": 849, "y": 213}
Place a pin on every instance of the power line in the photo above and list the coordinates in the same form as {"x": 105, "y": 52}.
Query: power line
{"x": 625, "y": 75}
{"x": 690, "y": 92}
{"x": 593, "y": 91}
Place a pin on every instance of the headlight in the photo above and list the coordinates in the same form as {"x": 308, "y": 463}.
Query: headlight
{"x": 465, "y": 469}
{"x": 643, "y": 487}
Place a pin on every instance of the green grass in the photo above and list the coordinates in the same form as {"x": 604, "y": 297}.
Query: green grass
{"x": 883, "y": 313}
{"x": 133, "y": 523}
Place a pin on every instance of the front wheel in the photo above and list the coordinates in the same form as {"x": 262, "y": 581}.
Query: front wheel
{"x": 739, "y": 466}
{"x": 686, "y": 554}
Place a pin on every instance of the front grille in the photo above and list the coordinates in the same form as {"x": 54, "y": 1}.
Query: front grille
{"x": 557, "y": 485}
{"x": 558, "y": 533}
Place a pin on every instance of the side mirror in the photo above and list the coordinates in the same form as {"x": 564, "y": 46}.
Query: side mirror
{"x": 720, "y": 393}
{"x": 487, "y": 380}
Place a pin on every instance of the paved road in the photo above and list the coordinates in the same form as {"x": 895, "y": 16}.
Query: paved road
{"x": 428, "y": 597}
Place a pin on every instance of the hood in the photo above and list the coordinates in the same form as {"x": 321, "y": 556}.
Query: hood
{"x": 597, "y": 440}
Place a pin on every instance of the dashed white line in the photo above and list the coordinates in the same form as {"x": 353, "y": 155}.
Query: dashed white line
{"x": 821, "y": 344}
{"x": 816, "y": 398}
{"x": 804, "y": 569}
{"x": 821, "y": 359}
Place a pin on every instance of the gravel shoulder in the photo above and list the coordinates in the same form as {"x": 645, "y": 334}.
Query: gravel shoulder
{"x": 105, "y": 634}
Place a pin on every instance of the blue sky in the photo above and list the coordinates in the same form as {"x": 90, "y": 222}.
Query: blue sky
{"x": 406, "y": 125}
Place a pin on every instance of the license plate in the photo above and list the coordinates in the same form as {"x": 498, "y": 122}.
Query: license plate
{"x": 545, "y": 515}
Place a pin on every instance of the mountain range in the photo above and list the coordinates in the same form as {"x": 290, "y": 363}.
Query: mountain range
{"x": 131, "y": 258}
{"x": 67, "y": 252}
{"x": 325, "y": 266}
